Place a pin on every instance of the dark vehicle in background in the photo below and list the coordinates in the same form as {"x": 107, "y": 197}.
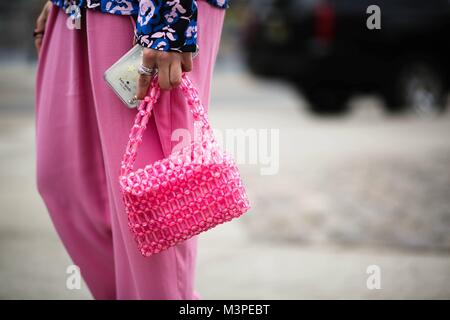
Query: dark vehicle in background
{"x": 326, "y": 49}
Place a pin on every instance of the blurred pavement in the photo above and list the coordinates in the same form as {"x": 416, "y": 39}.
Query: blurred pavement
{"x": 351, "y": 192}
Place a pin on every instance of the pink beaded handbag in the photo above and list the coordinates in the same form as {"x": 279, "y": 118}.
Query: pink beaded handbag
{"x": 191, "y": 191}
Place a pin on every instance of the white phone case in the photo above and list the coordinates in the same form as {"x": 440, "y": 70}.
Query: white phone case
{"x": 122, "y": 76}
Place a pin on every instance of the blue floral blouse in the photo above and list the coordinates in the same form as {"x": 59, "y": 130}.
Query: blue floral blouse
{"x": 167, "y": 25}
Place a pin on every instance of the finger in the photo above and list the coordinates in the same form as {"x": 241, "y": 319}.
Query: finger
{"x": 48, "y": 7}
{"x": 41, "y": 21}
{"x": 149, "y": 61}
{"x": 149, "y": 58}
{"x": 175, "y": 73}
{"x": 186, "y": 61}
{"x": 38, "y": 44}
{"x": 163, "y": 71}
{"x": 143, "y": 85}
{"x": 40, "y": 26}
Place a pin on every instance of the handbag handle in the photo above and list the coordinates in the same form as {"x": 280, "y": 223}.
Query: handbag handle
{"x": 144, "y": 114}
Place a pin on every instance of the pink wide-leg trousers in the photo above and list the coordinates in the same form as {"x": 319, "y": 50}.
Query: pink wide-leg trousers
{"x": 81, "y": 133}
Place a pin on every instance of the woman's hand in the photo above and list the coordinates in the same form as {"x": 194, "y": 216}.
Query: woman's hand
{"x": 170, "y": 66}
{"x": 40, "y": 26}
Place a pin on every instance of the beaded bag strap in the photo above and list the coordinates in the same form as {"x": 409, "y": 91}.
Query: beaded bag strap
{"x": 144, "y": 114}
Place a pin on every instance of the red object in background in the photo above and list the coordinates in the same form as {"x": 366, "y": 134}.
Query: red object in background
{"x": 325, "y": 23}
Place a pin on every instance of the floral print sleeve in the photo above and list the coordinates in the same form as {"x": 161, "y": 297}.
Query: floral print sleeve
{"x": 167, "y": 25}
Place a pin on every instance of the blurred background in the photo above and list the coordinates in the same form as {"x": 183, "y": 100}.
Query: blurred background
{"x": 363, "y": 152}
